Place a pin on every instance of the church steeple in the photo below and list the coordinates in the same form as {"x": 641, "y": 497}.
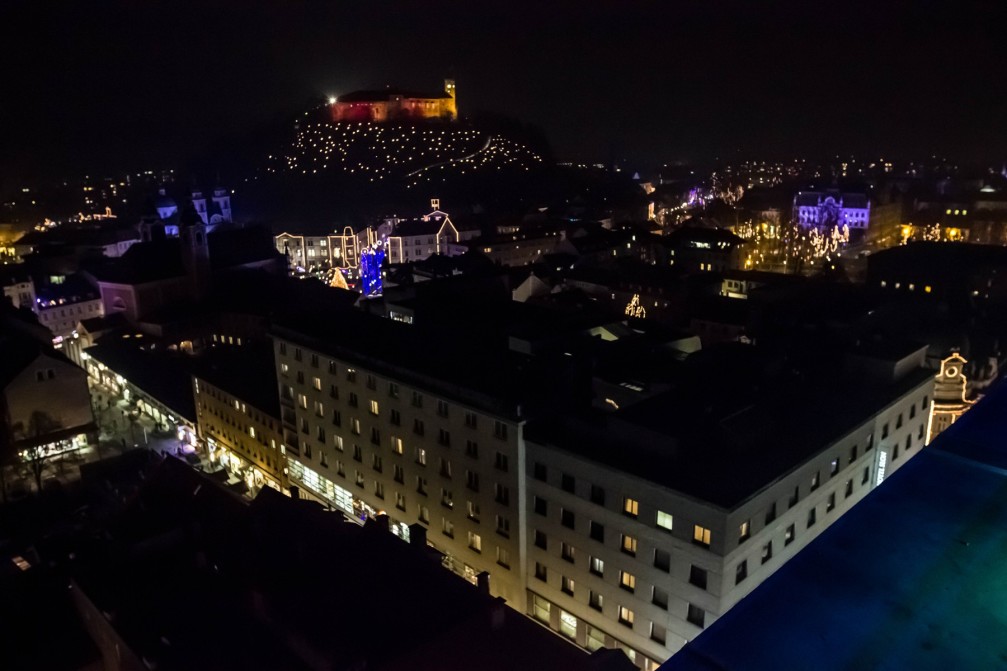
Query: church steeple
{"x": 195, "y": 251}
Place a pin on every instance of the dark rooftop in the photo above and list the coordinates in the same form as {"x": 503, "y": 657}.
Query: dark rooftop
{"x": 726, "y": 415}
{"x": 165, "y": 376}
{"x": 383, "y": 95}
{"x": 248, "y": 373}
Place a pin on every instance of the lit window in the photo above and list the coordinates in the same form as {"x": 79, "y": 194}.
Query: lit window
{"x": 475, "y": 542}
{"x": 629, "y": 544}
{"x": 701, "y": 536}
{"x": 627, "y": 581}
{"x": 374, "y": 407}
{"x": 626, "y": 616}
{"x": 744, "y": 531}
{"x": 664, "y": 520}
{"x": 631, "y": 507}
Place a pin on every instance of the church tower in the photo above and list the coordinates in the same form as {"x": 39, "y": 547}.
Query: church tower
{"x": 223, "y": 201}
{"x": 195, "y": 252}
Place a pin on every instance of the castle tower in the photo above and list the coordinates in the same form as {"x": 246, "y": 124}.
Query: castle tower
{"x": 450, "y": 106}
{"x": 195, "y": 252}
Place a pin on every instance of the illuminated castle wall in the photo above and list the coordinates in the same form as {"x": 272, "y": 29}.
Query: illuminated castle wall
{"x": 396, "y": 105}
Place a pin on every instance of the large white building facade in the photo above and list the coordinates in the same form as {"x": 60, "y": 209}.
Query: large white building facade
{"x": 618, "y": 534}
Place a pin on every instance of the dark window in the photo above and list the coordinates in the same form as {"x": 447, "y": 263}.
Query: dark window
{"x": 541, "y": 506}
{"x": 697, "y": 616}
{"x": 662, "y": 560}
{"x": 741, "y": 571}
{"x": 597, "y": 532}
{"x": 597, "y": 495}
{"x": 697, "y": 576}
{"x": 539, "y": 471}
{"x": 567, "y": 483}
{"x": 566, "y": 518}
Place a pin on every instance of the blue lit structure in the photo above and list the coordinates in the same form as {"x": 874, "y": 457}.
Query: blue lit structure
{"x": 371, "y": 260}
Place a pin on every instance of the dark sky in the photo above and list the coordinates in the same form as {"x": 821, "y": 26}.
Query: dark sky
{"x": 127, "y": 84}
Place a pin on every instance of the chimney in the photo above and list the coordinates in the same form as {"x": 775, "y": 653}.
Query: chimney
{"x": 418, "y": 535}
{"x": 483, "y": 582}
{"x": 382, "y": 522}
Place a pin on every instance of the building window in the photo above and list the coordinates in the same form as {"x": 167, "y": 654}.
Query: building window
{"x": 541, "y": 506}
{"x": 744, "y": 531}
{"x": 811, "y": 517}
{"x": 421, "y": 456}
{"x": 596, "y": 601}
{"x": 397, "y": 446}
{"x": 475, "y": 542}
{"x": 628, "y": 545}
{"x": 541, "y": 572}
{"x": 627, "y": 581}
{"x": 814, "y": 481}
{"x": 597, "y": 495}
{"x": 447, "y": 499}
{"x": 630, "y": 507}
{"x": 662, "y": 560}
{"x": 540, "y": 608}
{"x": 502, "y": 495}
{"x": 567, "y": 624}
{"x": 567, "y": 483}
{"x": 696, "y": 616}
{"x": 541, "y": 541}
{"x": 473, "y": 511}
{"x": 849, "y": 488}
{"x": 418, "y": 428}
{"x": 374, "y": 407}
{"x": 471, "y": 449}
{"x": 472, "y": 480}
{"x": 417, "y": 399}
{"x": 353, "y": 401}
{"x": 834, "y": 467}
{"x": 771, "y": 512}
{"x": 767, "y": 552}
{"x": 500, "y": 463}
{"x": 470, "y": 420}
{"x": 597, "y": 566}
{"x": 597, "y": 531}
{"x": 503, "y": 526}
{"x": 442, "y": 408}
{"x": 539, "y": 472}
{"x": 659, "y": 598}
{"x": 421, "y": 485}
{"x": 566, "y": 518}
{"x": 626, "y": 616}
{"x": 503, "y": 557}
{"x": 567, "y": 552}
{"x": 697, "y": 576}
{"x": 794, "y": 497}
{"x": 866, "y": 475}
{"x": 447, "y": 527}
{"x": 424, "y": 514}
{"x": 395, "y": 418}
{"x": 701, "y": 536}
{"x": 664, "y": 520}
{"x": 658, "y": 633}
{"x": 500, "y": 430}
{"x": 853, "y": 454}
{"x": 788, "y": 535}
{"x": 444, "y": 437}
{"x": 830, "y": 503}
{"x": 595, "y": 638}
{"x": 566, "y": 585}
{"x": 741, "y": 571}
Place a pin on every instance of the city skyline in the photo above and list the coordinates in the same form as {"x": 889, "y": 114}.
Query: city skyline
{"x": 155, "y": 85}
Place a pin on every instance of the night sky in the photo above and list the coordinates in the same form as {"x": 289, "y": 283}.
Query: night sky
{"x": 123, "y": 85}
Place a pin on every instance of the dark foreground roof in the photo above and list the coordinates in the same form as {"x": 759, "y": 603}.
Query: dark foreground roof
{"x": 912, "y": 578}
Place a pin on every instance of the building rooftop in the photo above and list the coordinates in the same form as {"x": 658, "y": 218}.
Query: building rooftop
{"x": 384, "y": 95}
{"x": 911, "y": 578}
{"x": 812, "y": 198}
{"x": 247, "y": 373}
{"x": 729, "y": 427}
{"x": 165, "y": 376}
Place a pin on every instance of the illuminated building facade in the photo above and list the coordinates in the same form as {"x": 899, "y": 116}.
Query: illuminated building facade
{"x": 366, "y": 436}
{"x": 44, "y": 399}
{"x": 239, "y": 430}
{"x": 827, "y": 209}
{"x": 396, "y": 105}
{"x": 589, "y": 528}
{"x": 950, "y": 389}
{"x": 633, "y": 548}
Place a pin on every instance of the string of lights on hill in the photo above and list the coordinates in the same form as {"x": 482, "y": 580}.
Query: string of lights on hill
{"x": 418, "y": 152}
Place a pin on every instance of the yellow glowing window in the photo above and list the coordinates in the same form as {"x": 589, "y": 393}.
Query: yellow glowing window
{"x": 701, "y": 535}
{"x": 631, "y": 507}
{"x": 927, "y": 289}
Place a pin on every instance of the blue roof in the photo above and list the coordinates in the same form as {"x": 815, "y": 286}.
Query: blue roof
{"x": 914, "y": 577}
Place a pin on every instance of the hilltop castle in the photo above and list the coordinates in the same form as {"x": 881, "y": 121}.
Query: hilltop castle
{"x": 396, "y": 105}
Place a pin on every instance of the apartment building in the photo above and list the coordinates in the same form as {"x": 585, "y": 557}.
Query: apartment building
{"x": 375, "y": 424}
{"x": 632, "y": 529}
{"x": 238, "y": 415}
{"x": 644, "y": 528}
